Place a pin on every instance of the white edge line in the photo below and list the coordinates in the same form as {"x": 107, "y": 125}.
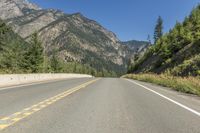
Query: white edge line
{"x": 169, "y": 99}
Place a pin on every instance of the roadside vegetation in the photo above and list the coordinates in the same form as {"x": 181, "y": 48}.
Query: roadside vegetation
{"x": 174, "y": 59}
{"x": 189, "y": 85}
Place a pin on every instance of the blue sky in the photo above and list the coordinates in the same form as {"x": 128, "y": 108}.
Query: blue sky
{"x": 128, "y": 19}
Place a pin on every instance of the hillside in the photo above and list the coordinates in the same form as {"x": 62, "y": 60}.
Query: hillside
{"x": 176, "y": 52}
{"x": 74, "y": 37}
{"x": 135, "y": 45}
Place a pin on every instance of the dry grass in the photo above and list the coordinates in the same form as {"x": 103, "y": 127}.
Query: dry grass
{"x": 183, "y": 84}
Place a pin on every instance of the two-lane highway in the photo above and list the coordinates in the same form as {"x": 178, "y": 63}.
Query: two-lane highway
{"x": 90, "y": 105}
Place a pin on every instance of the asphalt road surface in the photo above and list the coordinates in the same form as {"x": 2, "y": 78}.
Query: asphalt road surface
{"x": 92, "y": 105}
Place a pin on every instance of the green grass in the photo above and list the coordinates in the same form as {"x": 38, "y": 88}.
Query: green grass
{"x": 189, "y": 85}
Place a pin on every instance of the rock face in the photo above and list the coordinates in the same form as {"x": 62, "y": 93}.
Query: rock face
{"x": 14, "y": 8}
{"x": 75, "y": 37}
{"x": 136, "y": 46}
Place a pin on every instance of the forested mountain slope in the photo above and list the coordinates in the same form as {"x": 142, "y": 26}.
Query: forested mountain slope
{"x": 176, "y": 52}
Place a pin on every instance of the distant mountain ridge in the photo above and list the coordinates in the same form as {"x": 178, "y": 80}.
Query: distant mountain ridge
{"x": 136, "y": 45}
{"x": 75, "y": 37}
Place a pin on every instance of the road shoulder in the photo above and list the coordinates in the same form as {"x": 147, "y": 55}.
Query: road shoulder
{"x": 189, "y": 100}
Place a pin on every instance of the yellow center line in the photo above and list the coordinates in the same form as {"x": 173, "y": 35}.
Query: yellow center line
{"x": 5, "y": 118}
{"x": 16, "y": 119}
{"x": 43, "y": 106}
{"x": 36, "y": 109}
{"x": 27, "y": 114}
{"x": 12, "y": 119}
{"x": 27, "y": 109}
{"x": 17, "y": 113}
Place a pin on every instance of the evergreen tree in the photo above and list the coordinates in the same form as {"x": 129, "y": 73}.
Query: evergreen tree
{"x": 11, "y": 50}
{"x": 34, "y": 55}
{"x": 74, "y": 69}
{"x": 195, "y": 21}
{"x": 3, "y": 30}
{"x": 158, "y": 32}
{"x": 93, "y": 73}
{"x": 55, "y": 63}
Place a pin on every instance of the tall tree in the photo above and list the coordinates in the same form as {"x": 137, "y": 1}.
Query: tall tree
{"x": 55, "y": 63}
{"x": 34, "y": 55}
{"x": 11, "y": 50}
{"x": 3, "y": 30}
{"x": 158, "y": 32}
{"x": 195, "y": 21}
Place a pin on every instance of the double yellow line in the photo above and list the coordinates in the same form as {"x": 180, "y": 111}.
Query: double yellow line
{"x": 10, "y": 120}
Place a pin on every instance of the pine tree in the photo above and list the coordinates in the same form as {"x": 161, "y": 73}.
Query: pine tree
{"x": 34, "y": 56}
{"x": 55, "y": 63}
{"x": 3, "y": 30}
{"x": 11, "y": 51}
{"x": 158, "y": 32}
{"x": 74, "y": 69}
{"x": 195, "y": 20}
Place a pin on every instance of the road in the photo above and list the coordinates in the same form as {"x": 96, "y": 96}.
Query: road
{"x": 90, "y": 105}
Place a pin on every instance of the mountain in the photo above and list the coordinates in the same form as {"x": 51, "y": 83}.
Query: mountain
{"x": 177, "y": 52}
{"x": 15, "y": 8}
{"x": 135, "y": 45}
{"x": 75, "y": 37}
{"x": 137, "y": 48}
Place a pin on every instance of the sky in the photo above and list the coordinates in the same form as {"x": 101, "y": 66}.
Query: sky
{"x": 128, "y": 19}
